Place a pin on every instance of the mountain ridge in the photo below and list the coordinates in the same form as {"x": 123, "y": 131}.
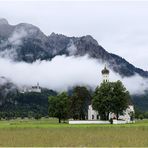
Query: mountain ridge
{"x": 30, "y": 44}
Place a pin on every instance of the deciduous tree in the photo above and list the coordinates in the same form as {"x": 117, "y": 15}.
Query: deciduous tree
{"x": 58, "y": 106}
{"x": 79, "y": 102}
{"x": 110, "y": 97}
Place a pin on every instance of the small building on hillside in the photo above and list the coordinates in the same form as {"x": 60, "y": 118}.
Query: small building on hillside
{"x": 35, "y": 88}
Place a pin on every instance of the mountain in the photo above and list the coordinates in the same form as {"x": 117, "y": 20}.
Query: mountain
{"x": 26, "y": 42}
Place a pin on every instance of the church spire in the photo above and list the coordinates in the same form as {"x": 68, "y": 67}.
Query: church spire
{"x": 105, "y": 74}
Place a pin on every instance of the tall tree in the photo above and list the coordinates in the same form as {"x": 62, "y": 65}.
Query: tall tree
{"x": 110, "y": 97}
{"x": 58, "y": 106}
{"x": 79, "y": 102}
{"x": 102, "y": 99}
{"x": 120, "y": 98}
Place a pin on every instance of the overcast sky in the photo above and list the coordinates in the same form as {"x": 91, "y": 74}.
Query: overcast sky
{"x": 120, "y": 27}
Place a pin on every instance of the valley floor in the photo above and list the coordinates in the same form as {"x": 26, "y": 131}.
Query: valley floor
{"x": 48, "y": 133}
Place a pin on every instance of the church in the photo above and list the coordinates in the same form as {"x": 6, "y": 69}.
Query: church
{"x": 126, "y": 115}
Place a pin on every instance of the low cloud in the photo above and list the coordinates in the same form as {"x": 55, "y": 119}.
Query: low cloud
{"x": 72, "y": 49}
{"x": 62, "y": 73}
{"x": 13, "y": 42}
{"x": 17, "y": 36}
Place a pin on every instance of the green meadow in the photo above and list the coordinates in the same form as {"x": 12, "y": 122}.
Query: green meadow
{"x": 49, "y": 133}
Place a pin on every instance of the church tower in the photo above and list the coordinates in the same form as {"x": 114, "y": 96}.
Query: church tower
{"x": 105, "y": 74}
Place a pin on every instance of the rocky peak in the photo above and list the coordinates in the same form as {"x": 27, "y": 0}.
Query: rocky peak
{"x": 26, "y": 26}
{"x": 53, "y": 34}
{"x": 57, "y": 36}
{"x": 29, "y": 29}
{"x": 5, "y": 29}
{"x": 89, "y": 39}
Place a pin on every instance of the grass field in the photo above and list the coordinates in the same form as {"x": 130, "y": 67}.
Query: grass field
{"x": 47, "y": 132}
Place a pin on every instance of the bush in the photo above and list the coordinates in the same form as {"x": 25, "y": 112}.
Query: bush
{"x": 146, "y": 115}
{"x": 37, "y": 116}
{"x": 141, "y": 117}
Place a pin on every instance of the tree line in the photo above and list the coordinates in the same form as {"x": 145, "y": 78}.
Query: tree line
{"x": 108, "y": 97}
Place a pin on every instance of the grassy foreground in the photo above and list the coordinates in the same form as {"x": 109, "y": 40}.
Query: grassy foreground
{"x": 47, "y": 132}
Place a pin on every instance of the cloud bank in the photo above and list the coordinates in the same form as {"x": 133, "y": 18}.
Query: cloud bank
{"x": 62, "y": 73}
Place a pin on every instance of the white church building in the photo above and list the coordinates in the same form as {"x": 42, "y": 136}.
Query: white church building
{"x": 126, "y": 115}
{"x": 94, "y": 118}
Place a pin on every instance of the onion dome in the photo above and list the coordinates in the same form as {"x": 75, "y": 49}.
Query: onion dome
{"x": 105, "y": 71}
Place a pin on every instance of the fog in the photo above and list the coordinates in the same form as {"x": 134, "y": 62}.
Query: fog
{"x": 14, "y": 40}
{"x": 62, "y": 73}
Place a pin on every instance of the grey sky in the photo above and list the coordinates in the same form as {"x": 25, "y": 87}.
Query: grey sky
{"x": 120, "y": 27}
